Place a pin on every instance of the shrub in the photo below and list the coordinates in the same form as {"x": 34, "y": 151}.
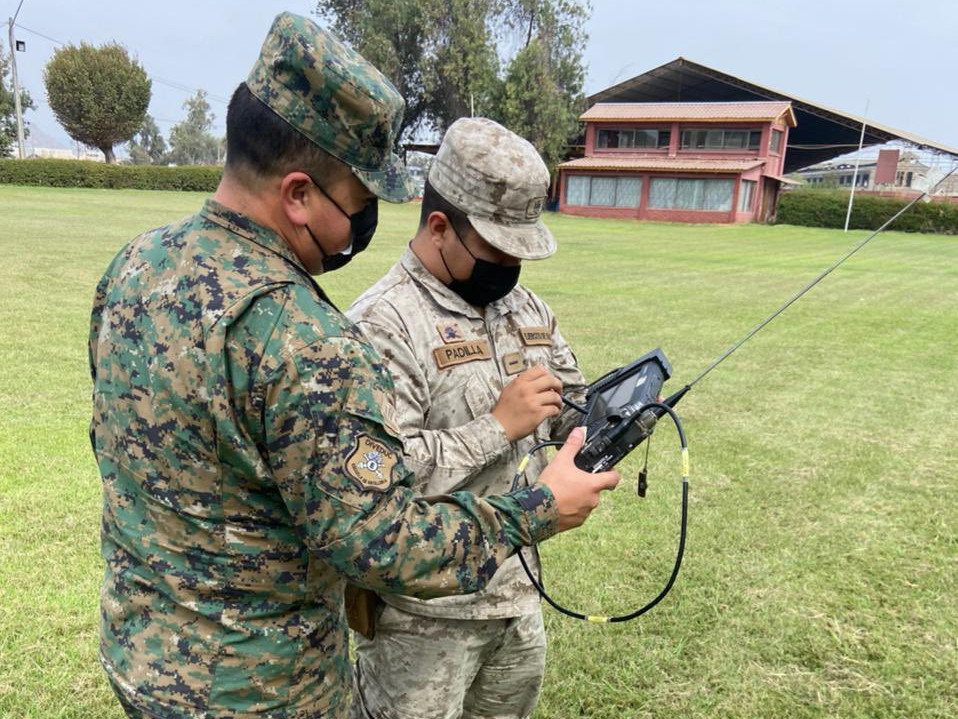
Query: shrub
{"x": 79, "y": 173}
{"x": 824, "y": 208}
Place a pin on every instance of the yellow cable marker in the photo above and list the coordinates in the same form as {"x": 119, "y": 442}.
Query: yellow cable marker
{"x": 598, "y": 620}
{"x": 523, "y": 464}
{"x": 685, "y": 462}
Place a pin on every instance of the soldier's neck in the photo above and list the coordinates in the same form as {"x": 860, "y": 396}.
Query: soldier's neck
{"x": 237, "y": 197}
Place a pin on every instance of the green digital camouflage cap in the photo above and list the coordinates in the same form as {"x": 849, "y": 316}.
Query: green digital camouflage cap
{"x": 498, "y": 179}
{"x": 334, "y": 97}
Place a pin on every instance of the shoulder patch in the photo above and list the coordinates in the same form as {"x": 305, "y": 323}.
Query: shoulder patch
{"x": 532, "y": 336}
{"x": 370, "y": 463}
{"x": 450, "y": 332}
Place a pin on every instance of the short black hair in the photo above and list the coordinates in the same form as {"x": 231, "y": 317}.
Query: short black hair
{"x": 262, "y": 144}
{"x": 432, "y": 201}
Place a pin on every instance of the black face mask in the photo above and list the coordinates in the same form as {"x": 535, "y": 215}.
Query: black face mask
{"x": 362, "y": 227}
{"x": 487, "y": 282}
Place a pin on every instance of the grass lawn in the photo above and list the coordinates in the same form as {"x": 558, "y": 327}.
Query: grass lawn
{"x": 821, "y": 577}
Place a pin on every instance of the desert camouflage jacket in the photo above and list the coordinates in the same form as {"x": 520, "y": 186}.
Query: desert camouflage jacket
{"x": 247, "y": 472}
{"x": 450, "y": 361}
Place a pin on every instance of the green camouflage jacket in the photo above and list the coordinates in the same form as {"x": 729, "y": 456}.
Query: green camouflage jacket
{"x": 242, "y": 430}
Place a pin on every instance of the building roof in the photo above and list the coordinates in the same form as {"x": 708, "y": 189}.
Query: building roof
{"x": 665, "y": 164}
{"x": 767, "y": 111}
{"x": 821, "y": 133}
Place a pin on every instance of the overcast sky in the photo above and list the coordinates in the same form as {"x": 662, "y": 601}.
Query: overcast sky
{"x": 896, "y": 56}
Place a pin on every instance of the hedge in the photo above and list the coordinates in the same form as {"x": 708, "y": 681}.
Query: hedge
{"x": 80, "y": 173}
{"x": 826, "y": 208}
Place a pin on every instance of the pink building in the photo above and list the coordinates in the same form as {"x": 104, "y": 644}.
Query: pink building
{"x": 679, "y": 161}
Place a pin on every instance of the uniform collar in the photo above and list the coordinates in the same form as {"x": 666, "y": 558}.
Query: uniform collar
{"x": 449, "y": 299}
{"x": 243, "y": 226}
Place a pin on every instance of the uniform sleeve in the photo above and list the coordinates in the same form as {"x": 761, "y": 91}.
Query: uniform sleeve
{"x": 343, "y": 480}
{"x": 443, "y": 459}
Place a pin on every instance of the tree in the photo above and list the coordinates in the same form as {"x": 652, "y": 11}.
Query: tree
{"x": 462, "y": 72}
{"x": 8, "y": 111}
{"x": 190, "y": 141}
{"x": 148, "y": 146}
{"x": 448, "y": 56}
{"x": 534, "y": 107}
{"x": 394, "y": 35}
{"x": 99, "y": 95}
{"x": 542, "y": 95}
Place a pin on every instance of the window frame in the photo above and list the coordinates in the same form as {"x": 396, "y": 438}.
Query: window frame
{"x": 677, "y": 179}
{"x": 753, "y": 139}
{"x": 775, "y": 137}
{"x": 615, "y": 193}
{"x": 752, "y": 186}
{"x": 659, "y": 147}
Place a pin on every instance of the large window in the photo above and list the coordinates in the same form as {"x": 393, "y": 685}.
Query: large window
{"x": 632, "y": 139}
{"x": 776, "y": 142}
{"x": 680, "y": 194}
{"x": 721, "y": 139}
{"x": 745, "y": 195}
{"x": 598, "y": 191}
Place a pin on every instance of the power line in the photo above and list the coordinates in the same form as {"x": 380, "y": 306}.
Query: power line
{"x": 40, "y": 34}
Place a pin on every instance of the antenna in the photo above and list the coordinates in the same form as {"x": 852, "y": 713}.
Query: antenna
{"x": 822, "y": 276}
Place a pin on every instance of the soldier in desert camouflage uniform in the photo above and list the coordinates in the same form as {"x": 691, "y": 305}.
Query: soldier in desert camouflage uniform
{"x": 478, "y": 364}
{"x": 241, "y": 423}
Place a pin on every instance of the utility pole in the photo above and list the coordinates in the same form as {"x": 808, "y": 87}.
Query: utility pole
{"x": 858, "y": 159}
{"x": 16, "y": 83}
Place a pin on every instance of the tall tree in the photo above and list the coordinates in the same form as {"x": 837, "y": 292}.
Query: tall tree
{"x": 99, "y": 95}
{"x": 462, "y": 71}
{"x": 8, "y": 111}
{"x": 542, "y": 94}
{"x": 533, "y": 106}
{"x": 448, "y": 56}
{"x": 396, "y": 37}
{"x": 148, "y": 146}
{"x": 190, "y": 141}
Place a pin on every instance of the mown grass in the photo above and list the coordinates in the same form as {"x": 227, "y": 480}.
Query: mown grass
{"x": 821, "y": 573}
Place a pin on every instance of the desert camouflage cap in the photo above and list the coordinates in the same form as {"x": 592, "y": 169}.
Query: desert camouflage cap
{"x": 498, "y": 179}
{"x": 336, "y": 98}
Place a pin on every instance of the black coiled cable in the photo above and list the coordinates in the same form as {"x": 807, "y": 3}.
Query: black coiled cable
{"x": 682, "y": 534}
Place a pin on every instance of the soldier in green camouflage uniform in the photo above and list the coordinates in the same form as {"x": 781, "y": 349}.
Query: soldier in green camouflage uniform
{"x": 242, "y": 424}
{"x": 478, "y": 363}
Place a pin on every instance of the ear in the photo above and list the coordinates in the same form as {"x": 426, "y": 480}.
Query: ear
{"x": 437, "y": 223}
{"x": 295, "y": 198}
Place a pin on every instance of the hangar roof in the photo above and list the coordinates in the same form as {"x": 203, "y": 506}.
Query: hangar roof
{"x": 821, "y": 134}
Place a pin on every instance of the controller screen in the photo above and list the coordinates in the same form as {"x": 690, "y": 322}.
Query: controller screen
{"x": 620, "y": 394}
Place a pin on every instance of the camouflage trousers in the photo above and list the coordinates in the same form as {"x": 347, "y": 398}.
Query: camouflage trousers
{"x": 131, "y": 711}
{"x": 430, "y": 668}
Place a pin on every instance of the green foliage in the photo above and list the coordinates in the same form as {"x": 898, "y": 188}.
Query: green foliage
{"x": 8, "y": 111}
{"x": 515, "y": 61}
{"x": 463, "y": 71}
{"x": 825, "y": 208}
{"x": 542, "y": 95}
{"x": 79, "y": 173}
{"x": 99, "y": 95}
{"x": 534, "y": 107}
{"x": 190, "y": 141}
{"x": 148, "y": 146}
{"x": 395, "y": 36}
